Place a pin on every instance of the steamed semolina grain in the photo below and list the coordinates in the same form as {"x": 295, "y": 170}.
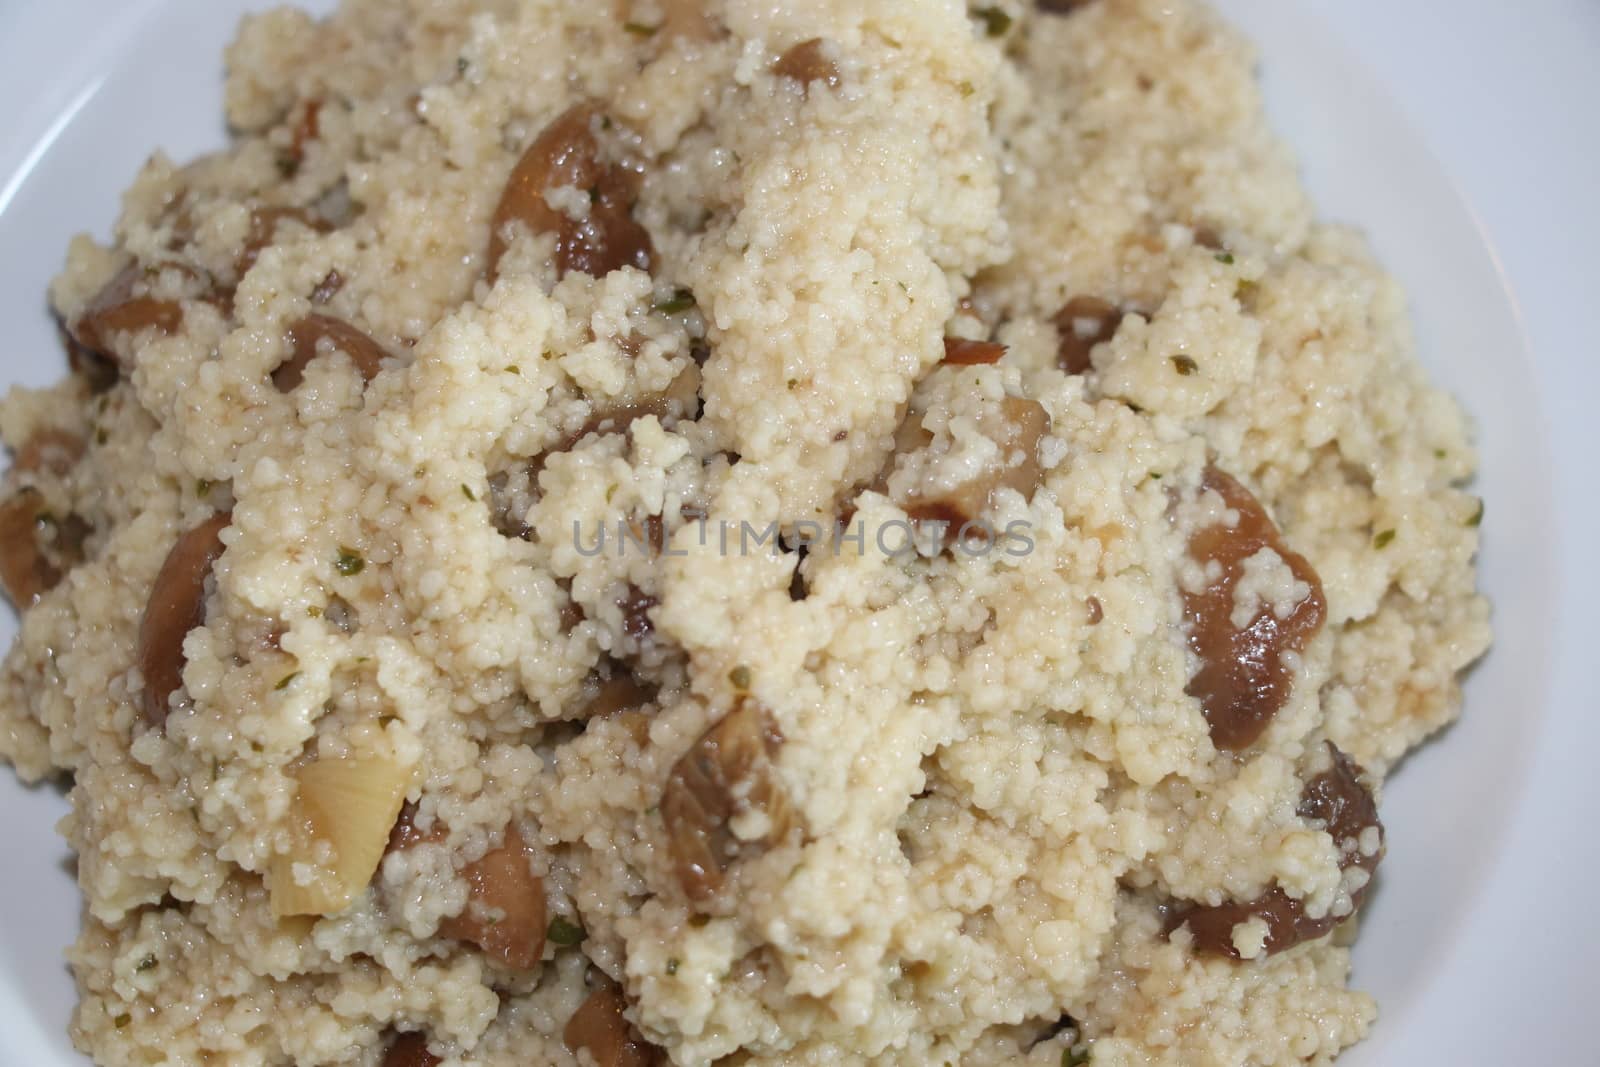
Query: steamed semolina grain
{"x": 847, "y": 805}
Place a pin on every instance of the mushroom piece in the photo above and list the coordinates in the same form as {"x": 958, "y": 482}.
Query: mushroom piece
{"x": 1083, "y": 323}
{"x": 176, "y": 606}
{"x": 960, "y": 352}
{"x": 123, "y": 306}
{"x": 1336, "y": 798}
{"x": 410, "y": 1050}
{"x": 618, "y": 693}
{"x": 600, "y": 1026}
{"x": 1243, "y": 680}
{"x": 26, "y": 571}
{"x": 567, "y": 155}
{"x": 726, "y": 777}
{"x": 505, "y": 913}
{"x": 306, "y": 337}
{"x": 807, "y": 62}
{"x": 1017, "y": 425}
{"x": 50, "y": 450}
{"x": 264, "y": 223}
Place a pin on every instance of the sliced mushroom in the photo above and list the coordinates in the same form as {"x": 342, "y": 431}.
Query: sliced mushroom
{"x": 1243, "y": 680}
{"x": 808, "y": 62}
{"x": 635, "y": 604}
{"x": 410, "y": 1050}
{"x": 263, "y": 232}
{"x": 728, "y": 775}
{"x": 505, "y": 913}
{"x": 176, "y": 606}
{"x": 1016, "y": 427}
{"x": 600, "y": 1026}
{"x": 687, "y": 19}
{"x": 960, "y": 352}
{"x": 305, "y": 344}
{"x": 123, "y": 306}
{"x": 618, "y": 693}
{"x": 1085, "y": 321}
{"x": 25, "y": 570}
{"x": 1338, "y": 800}
{"x": 567, "y": 154}
{"x": 679, "y": 401}
{"x": 49, "y": 450}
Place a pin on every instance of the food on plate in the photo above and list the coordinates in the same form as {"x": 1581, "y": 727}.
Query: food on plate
{"x": 730, "y": 533}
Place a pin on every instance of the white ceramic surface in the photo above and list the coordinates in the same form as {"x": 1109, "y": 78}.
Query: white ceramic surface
{"x": 1465, "y": 149}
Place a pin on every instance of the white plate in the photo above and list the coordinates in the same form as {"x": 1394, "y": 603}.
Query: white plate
{"x": 1463, "y": 145}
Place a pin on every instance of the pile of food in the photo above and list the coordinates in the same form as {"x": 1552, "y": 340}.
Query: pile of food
{"x": 833, "y": 532}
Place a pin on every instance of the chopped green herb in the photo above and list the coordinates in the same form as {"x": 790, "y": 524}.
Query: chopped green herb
{"x": 1477, "y": 516}
{"x": 314, "y": 612}
{"x": 1245, "y": 292}
{"x": 286, "y": 681}
{"x": 121, "y": 1021}
{"x": 462, "y": 65}
{"x": 1184, "y": 365}
{"x": 1156, "y": 476}
{"x": 1074, "y": 1057}
{"x": 146, "y": 964}
{"x": 995, "y": 22}
{"x": 565, "y": 933}
{"x": 349, "y": 562}
{"x": 680, "y": 301}
{"x": 466, "y": 491}
{"x": 101, "y": 437}
{"x": 1439, "y": 453}
{"x": 1382, "y": 539}
{"x": 967, "y": 88}
{"x": 513, "y": 369}
{"x": 740, "y": 677}
{"x": 639, "y": 29}
{"x": 1225, "y": 257}
{"x": 672, "y": 966}
{"x": 203, "y": 487}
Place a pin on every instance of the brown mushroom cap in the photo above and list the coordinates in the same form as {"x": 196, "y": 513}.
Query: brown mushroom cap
{"x": 25, "y": 570}
{"x": 729, "y": 771}
{"x": 600, "y": 1025}
{"x": 807, "y": 62}
{"x": 176, "y": 606}
{"x": 1018, "y": 427}
{"x": 121, "y": 307}
{"x": 1243, "y": 681}
{"x": 305, "y": 344}
{"x": 1083, "y": 323}
{"x": 1337, "y": 798}
{"x": 960, "y": 352}
{"x": 505, "y": 912}
{"x": 566, "y": 154}
{"x": 410, "y": 1050}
